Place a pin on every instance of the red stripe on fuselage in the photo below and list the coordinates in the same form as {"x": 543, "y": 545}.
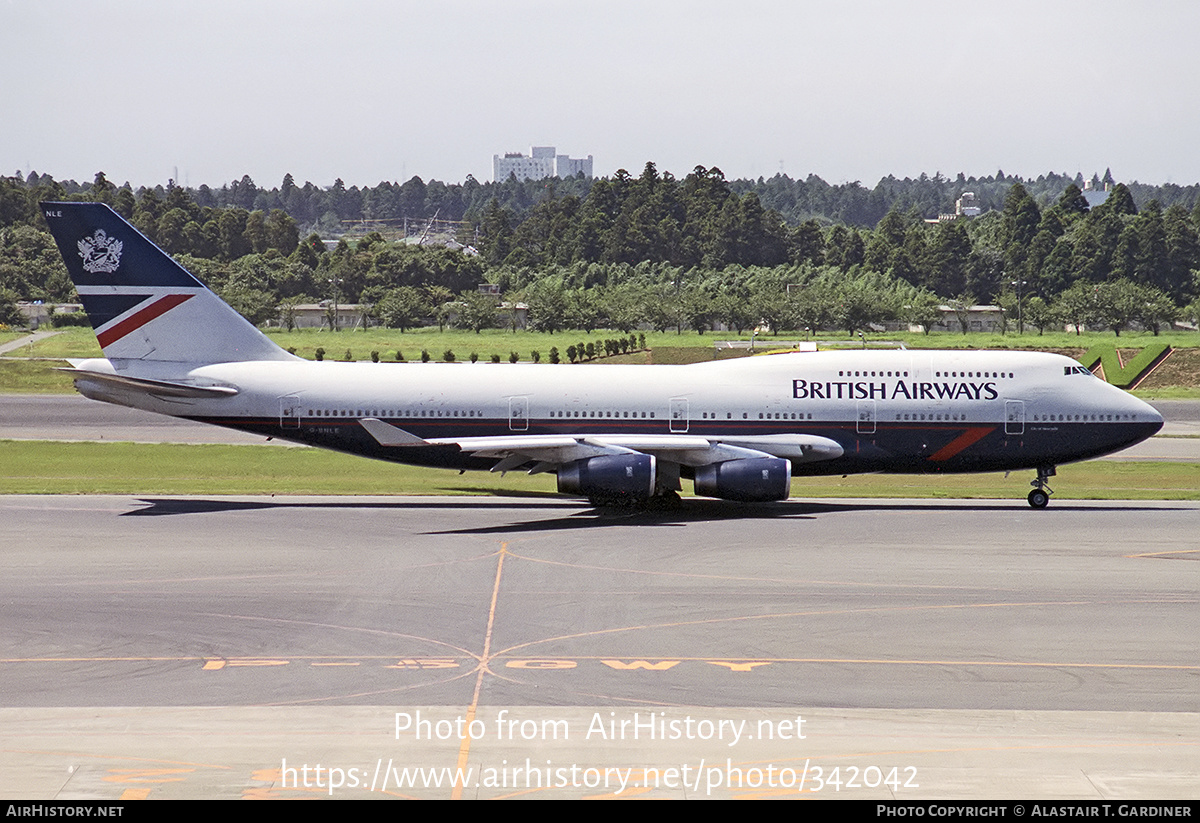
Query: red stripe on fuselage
{"x": 959, "y": 443}
{"x": 138, "y": 319}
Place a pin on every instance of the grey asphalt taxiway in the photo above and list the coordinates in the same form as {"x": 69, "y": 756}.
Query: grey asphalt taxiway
{"x": 273, "y": 647}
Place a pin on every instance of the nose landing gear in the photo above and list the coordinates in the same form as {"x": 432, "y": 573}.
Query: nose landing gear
{"x": 1039, "y": 498}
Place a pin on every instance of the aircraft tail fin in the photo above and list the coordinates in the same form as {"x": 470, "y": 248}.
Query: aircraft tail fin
{"x": 142, "y": 304}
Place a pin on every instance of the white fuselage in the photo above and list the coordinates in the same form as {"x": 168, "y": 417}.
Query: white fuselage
{"x": 906, "y": 406}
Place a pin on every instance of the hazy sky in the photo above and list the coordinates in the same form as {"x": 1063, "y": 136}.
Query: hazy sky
{"x": 373, "y": 90}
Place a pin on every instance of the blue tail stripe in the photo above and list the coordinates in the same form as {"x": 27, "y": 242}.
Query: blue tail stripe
{"x": 102, "y": 308}
{"x": 138, "y": 263}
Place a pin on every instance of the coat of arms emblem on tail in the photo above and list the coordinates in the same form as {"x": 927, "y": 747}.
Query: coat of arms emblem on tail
{"x": 100, "y": 252}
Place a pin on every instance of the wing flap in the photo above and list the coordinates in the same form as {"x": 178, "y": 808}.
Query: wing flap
{"x": 799, "y": 448}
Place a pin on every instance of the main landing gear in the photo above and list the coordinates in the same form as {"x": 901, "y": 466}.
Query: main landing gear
{"x": 1039, "y": 498}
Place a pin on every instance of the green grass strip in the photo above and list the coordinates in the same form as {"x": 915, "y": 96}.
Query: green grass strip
{"x": 34, "y": 377}
{"x": 81, "y": 342}
{"x": 52, "y": 467}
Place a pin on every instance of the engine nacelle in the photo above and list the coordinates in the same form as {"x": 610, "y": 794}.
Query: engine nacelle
{"x": 753, "y": 480}
{"x": 615, "y": 477}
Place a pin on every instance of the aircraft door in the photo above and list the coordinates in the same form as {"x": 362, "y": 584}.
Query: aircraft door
{"x": 679, "y": 415}
{"x": 289, "y": 411}
{"x": 518, "y": 414}
{"x": 1014, "y": 416}
{"x": 865, "y": 423}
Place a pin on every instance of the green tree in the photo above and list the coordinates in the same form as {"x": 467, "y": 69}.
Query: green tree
{"x": 1076, "y": 305}
{"x": 231, "y": 240}
{"x": 863, "y": 299}
{"x": 1021, "y": 219}
{"x": 806, "y": 243}
{"x": 1156, "y": 310}
{"x": 402, "y": 308}
{"x": 1116, "y": 304}
{"x": 547, "y": 302}
{"x": 497, "y": 233}
{"x": 961, "y": 306}
{"x": 439, "y": 300}
{"x": 255, "y": 232}
{"x": 921, "y": 307}
{"x": 170, "y": 232}
{"x": 286, "y": 311}
{"x": 949, "y": 256}
{"x": 1182, "y": 253}
{"x": 625, "y": 306}
{"x": 256, "y": 305}
{"x": 1119, "y": 202}
{"x": 582, "y": 310}
{"x": 476, "y": 311}
{"x": 10, "y": 315}
{"x": 812, "y": 304}
{"x": 102, "y": 190}
{"x": 281, "y": 232}
{"x": 1072, "y": 202}
{"x": 731, "y": 308}
{"x": 1037, "y": 313}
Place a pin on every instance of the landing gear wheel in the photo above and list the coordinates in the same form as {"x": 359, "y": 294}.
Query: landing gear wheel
{"x": 1039, "y": 498}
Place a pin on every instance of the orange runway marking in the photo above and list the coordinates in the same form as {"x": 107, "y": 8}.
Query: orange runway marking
{"x": 464, "y": 749}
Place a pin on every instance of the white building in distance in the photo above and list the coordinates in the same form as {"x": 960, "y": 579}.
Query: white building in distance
{"x": 967, "y": 205}
{"x": 1095, "y": 196}
{"x": 541, "y": 162}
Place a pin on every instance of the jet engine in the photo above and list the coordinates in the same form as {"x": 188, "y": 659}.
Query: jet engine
{"x": 752, "y": 480}
{"x": 610, "y": 478}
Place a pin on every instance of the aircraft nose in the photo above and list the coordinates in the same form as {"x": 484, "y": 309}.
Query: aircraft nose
{"x": 1144, "y": 420}
{"x": 1151, "y": 415}
{"x": 1136, "y": 419}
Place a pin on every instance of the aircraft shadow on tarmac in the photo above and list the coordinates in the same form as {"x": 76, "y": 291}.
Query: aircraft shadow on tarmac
{"x": 570, "y": 515}
{"x": 701, "y": 510}
{"x": 164, "y": 506}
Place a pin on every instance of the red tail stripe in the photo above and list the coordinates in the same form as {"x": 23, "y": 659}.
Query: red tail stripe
{"x": 138, "y": 319}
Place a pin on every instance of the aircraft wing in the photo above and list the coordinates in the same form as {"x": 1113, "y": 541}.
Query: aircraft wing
{"x": 548, "y": 451}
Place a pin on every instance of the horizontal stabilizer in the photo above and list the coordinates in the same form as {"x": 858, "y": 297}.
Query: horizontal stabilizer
{"x": 158, "y": 388}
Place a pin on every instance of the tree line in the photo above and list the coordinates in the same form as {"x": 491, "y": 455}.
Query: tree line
{"x": 653, "y": 250}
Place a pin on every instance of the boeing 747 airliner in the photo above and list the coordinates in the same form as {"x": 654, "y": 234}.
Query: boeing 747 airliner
{"x": 739, "y": 429}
